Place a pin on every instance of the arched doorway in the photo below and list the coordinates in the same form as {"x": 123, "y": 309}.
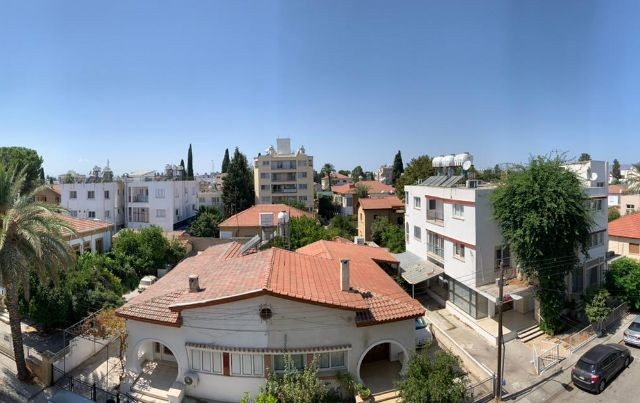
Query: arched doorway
{"x": 382, "y": 364}
{"x": 157, "y": 367}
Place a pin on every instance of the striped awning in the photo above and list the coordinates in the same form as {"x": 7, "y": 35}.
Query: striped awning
{"x": 269, "y": 350}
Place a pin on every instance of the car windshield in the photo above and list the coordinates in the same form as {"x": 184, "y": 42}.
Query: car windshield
{"x": 585, "y": 366}
{"x": 420, "y": 323}
{"x": 635, "y": 326}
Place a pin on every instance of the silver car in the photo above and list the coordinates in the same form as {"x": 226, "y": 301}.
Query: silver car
{"x": 632, "y": 334}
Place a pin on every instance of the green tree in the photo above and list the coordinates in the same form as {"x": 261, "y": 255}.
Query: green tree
{"x": 613, "y": 213}
{"x": 304, "y": 230}
{"x": 327, "y": 170}
{"x": 398, "y": 168}
{"x": 190, "y": 164}
{"x": 418, "y": 169}
{"x": 597, "y": 308}
{"x": 294, "y": 385}
{"x": 225, "y": 161}
{"x": 615, "y": 171}
{"x": 296, "y": 204}
{"x": 343, "y": 226}
{"x": 326, "y": 209}
{"x": 357, "y": 174}
{"x": 345, "y": 172}
{"x": 388, "y": 235}
{"x": 362, "y": 191}
{"x": 633, "y": 178}
{"x": 438, "y": 379}
{"x": 184, "y": 171}
{"x": 541, "y": 210}
{"x": 237, "y": 188}
{"x": 31, "y": 239}
{"x": 584, "y": 157}
{"x": 206, "y": 223}
{"x": 21, "y": 157}
{"x": 623, "y": 281}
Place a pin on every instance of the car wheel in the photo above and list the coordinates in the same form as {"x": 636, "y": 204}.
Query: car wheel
{"x": 602, "y": 385}
{"x": 626, "y": 362}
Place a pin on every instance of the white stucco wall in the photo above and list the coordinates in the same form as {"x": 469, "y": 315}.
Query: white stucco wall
{"x": 91, "y": 239}
{"x": 177, "y": 195}
{"x": 237, "y": 324}
{"x": 82, "y": 204}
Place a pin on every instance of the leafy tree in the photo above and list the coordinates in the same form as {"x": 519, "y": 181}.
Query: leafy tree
{"x": 189, "y": 164}
{"x": 418, "y": 169}
{"x": 633, "y": 179}
{"x": 438, "y": 379}
{"x": 21, "y": 157}
{"x": 31, "y": 240}
{"x": 296, "y": 204}
{"x": 327, "y": 170}
{"x": 206, "y": 223}
{"x": 489, "y": 174}
{"x": 295, "y": 386}
{"x": 357, "y": 174}
{"x": 623, "y": 281}
{"x": 316, "y": 176}
{"x": 615, "y": 171}
{"x": 369, "y": 176}
{"x": 326, "y": 208}
{"x": 304, "y": 230}
{"x": 541, "y": 211}
{"x": 398, "y": 168}
{"x": 362, "y": 191}
{"x": 613, "y": 213}
{"x": 345, "y": 172}
{"x": 237, "y": 188}
{"x": 584, "y": 157}
{"x": 343, "y": 226}
{"x": 42, "y": 178}
{"x": 225, "y": 161}
{"x": 388, "y": 235}
{"x": 597, "y": 309}
{"x": 184, "y": 172}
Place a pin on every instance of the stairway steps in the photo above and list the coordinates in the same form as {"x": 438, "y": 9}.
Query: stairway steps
{"x": 391, "y": 396}
{"x": 527, "y": 332}
{"x": 148, "y": 397}
{"x": 532, "y": 336}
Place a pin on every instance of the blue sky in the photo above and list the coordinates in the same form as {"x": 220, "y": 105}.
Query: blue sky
{"x": 353, "y": 81}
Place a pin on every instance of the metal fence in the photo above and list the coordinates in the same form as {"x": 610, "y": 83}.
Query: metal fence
{"x": 578, "y": 340}
{"x": 545, "y": 359}
{"x": 93, "y": 392}
{"x": 482, "y": 390}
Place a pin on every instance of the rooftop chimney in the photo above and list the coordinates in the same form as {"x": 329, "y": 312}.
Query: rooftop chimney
{"x": 344, "y": 275}
{"x": 194, "y": 283}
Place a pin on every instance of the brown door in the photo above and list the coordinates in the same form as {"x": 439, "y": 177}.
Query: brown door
{"x": 377, "y": 353}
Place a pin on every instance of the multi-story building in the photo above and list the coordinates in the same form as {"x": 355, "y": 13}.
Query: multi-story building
{"x": 281, "y": 175}
{"x": 384, "y": 174}
{"x": 337, "y": 179}
{"x": 346, "y": 196}
{"x": 163, "y": 200}
{"x": 210, "y": 192}
{"x": 98, "y": 196}
{"x": 449, "y": 225}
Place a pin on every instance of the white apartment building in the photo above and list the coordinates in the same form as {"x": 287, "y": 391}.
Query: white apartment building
{"x": 281, "y": 175}
{"x": 98, "y": 196}
{"x": 384, "y": 174}
{"x": 449, "y": 227}
{"x": 210, "y": 192}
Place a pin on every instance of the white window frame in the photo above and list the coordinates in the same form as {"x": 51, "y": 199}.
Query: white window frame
{"x": 91, "y": 194}
{"x": 457, "y": 211}
{"x": 197, "y": 361}
{"x": 458, "y": 250}
{"x": 107, "y": 195}
{"x": 331, "y": 359}
{"x": 247, "y": 365}
{"x": 91, "y": 214}
{"x": 417, "y": 230}
{"x": 161, "y": 213}
{"x": 73, "y": 194}
{"x": 417, "y": 202}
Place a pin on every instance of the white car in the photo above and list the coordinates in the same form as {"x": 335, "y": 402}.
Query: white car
{"x": 146, "y": 282}
{"x": 423, "y": 332}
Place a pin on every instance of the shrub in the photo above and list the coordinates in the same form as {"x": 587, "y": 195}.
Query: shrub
{"x": 623, "y": 281}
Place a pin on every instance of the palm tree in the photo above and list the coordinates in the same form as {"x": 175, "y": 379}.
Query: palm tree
{"x": 328, "y": 169}
{"x": 633, "y": 178}
{"x": 31, "y": 239}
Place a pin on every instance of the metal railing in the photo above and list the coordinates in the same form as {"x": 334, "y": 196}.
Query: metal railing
{"x": 546, "y": 359}
{"x": 482, "y": 390}
{"x": 93, "y": 392}
{"x": 436, "y": 216}
{"x": 141, "y": 199}
{"x": 435, "y": 250}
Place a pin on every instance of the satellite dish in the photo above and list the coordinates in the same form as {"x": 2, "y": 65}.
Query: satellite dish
{"x": 466, "y": 165}
{"x": 594, "y": 176}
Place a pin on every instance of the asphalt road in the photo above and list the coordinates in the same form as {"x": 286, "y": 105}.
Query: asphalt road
{"x": 624, "y": 388}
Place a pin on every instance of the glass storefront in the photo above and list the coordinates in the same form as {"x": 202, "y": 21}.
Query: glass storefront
{"x": 469, "y": 301}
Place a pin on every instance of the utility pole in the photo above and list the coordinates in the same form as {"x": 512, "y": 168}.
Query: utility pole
{"x": 498, "y": 386}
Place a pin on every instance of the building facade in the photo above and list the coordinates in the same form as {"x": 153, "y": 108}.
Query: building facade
{"x": 373, "y": 209}
{"x": 281, "y": 175}
{"x": 624, "y": 236}
{"x": 384, "y": 174}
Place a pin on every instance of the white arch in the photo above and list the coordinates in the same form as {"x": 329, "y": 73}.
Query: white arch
{"x": 405, "y": 358}
{"x": 136, "y": 360}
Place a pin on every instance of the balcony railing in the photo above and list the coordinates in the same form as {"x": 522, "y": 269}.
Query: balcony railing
{"x": 435, "y": 250}
{"x": 140, "y": 199}
{"x": 435, "y": 216}
{"x": 292, "y": 190}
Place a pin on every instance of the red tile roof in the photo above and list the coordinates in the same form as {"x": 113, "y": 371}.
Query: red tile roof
{"x": 627, "y": 226}
{"x": 381, "y": 203}
{"x": 309, "y": 275}
{"x": 617, "y": 189}
{"x": 374, "y": 187}
{"x": 251, "y": 216}
{"x": 84, "y": 226}
{"x": 337, "y": 175}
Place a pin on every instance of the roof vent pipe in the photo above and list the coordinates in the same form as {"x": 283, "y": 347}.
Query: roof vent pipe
{"x": 194, "y": 283}
{"x": 344, "y": 275}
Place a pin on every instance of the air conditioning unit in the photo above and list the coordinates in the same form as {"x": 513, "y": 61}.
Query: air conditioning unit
{"x": 191, "y": 379}
{"x": 358, "y": 240}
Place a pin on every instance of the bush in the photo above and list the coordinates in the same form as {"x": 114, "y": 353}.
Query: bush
{"x": 597, "y": 308}
{"x": 295, "y": 386}
{"x": 623, "y": 281}
{"x": 388, "y": 235}
{"x": 613, "y": 213}
{"x": 206, "y": 223}
{"x": 343, "y": 226}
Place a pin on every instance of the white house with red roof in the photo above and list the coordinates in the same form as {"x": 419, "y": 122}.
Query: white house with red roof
{"x": 337, "y": 179}
{"x": 346, "y": 195}
{"x": 261, "y": 219}
{"x": 219, "y": 322}
{"x": 624, "y": 235}
{"x": 90, "y": 235}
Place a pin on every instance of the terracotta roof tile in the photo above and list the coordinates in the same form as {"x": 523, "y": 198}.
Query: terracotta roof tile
{"x": 251, "y": 216}
{"x": 627, "y": 226}
{"x": 374, "y": 187}
{"x": 83, "y": 226}
{"x": 381, "y": 203}
{"x": 617, "y": 189}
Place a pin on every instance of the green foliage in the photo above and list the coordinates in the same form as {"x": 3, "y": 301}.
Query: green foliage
{"x": 543, "y": 217}
{"x": 326, "y": 208}
{"x": 489, "y": 174}
{"x": 206, "y": 223}
{"x": 623, "y": 281}
{"x": 633, "y": 179}
{"x": 388, "y": 235}
{"x": 19, "y": 158}
{"x": 327, "y": 170}
{"x": 438, "y": 379}
{"x": 584, "y": 157}
{"x": 343, "y": 226}
{"x": 357, "y": 174}
{"x": 597, "y": 309}
{"x": 613, "y": 213}
{"x": 418, "y": 169}
{"x": 345, "y": 172}
{"x": 295, "y": 386}
{"x": 304, "y": 230}
{"x": 296, "y": 204}
{"x": 362, "y": 191}
{"x": 237, "y": 188}
{"x": 398, "y": 168}
{"x": 146, "y": 250}
{"x": 615, "y": 171}
{"x": 190, "y": 164}
{"x": 225, "y": 161}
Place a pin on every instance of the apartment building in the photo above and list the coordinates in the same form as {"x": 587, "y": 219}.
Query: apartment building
{"x": 384, "y": 174}
{"x": 164, "y": 200}
{"x": 210, "y": 191}
{"x": 97, "y": 196}
{"x": 281, "y": 175}
{"x": 455, "y": 248}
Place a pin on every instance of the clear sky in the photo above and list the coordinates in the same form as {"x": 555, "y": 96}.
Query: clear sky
{"x": 353, "y": 81}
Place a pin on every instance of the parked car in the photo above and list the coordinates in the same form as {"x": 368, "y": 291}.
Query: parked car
{"x": 599, "y": 365}
{"x": 632, "y": 334}
{"x": 423, "y": 332}
{"x": 146, "y": 282}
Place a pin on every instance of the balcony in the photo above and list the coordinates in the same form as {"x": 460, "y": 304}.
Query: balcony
{"x": 435, "y": 217}
{"x": 435, "y": 251}
{"x": 140, "y": 199}
{"x": 283, "y": 178}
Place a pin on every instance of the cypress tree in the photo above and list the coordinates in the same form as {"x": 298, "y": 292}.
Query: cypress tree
{"x": 189, "y": 164}
{"x": 225, "y": 161}
{"x": 398, "y": 168}
{"x": 237, "y": 188}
